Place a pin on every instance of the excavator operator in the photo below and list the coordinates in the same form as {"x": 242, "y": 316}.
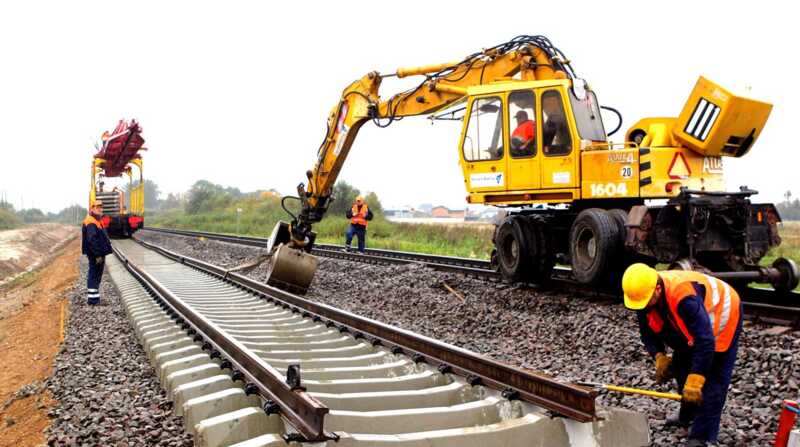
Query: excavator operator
{"x": 555, "y": 132}
{"x": 699, "y": 317}
{"x": 523, "y": 137}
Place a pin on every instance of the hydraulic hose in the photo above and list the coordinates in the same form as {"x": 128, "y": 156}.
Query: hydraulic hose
{"x": 619, "y": 116}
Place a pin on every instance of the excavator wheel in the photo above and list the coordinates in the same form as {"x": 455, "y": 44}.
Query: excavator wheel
{"x": 513, "y": 257}
{"x": 593, "y": 241}
{"x": 540, "y": 245}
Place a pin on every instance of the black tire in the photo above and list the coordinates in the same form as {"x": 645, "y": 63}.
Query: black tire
{"x": 513, "y": 254}
{"x": 541, "y": 248}
{"x": 620, "y": 217}
{"x": 593, "y": 241}
{"x": 622, "y": 258}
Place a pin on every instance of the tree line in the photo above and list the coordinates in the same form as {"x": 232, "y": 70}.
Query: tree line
{"x": 206, "y": 197}
{"x": 12, "y": 218}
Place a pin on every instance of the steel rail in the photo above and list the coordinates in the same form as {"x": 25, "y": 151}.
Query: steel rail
{"x": 569, "y": 400}
{"x": 762, "y": 304}
{"x": 302, "y": 410}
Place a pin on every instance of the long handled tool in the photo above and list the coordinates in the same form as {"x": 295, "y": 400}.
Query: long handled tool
{"x": 628, "y": 390}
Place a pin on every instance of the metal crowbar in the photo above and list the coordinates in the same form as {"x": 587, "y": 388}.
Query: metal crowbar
{"x": 628, "y": 390}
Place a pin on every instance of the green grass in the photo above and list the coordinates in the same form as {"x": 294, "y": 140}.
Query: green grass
{"x": 9, "y": 220}
{"x": 258, "y": 217}
{"x": 468, "y": 240}
{"x": 790, "y": 244}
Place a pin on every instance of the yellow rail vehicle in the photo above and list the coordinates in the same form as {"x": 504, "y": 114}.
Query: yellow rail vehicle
{"x": 533, "y": 141}
{"x": 119, "y": 157}
{"x": 119, "y": 219}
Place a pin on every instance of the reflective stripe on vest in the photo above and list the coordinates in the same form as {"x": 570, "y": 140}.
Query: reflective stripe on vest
{"x": 359, "y": 218}
{"x": 721, "y": 303}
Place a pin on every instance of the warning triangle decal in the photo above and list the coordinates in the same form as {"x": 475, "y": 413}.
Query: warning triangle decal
{"x": 679, "y": 168}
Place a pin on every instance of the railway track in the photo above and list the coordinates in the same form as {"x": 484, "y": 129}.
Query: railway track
{"x": 249, "y": 365}
{"x": 760, "y": 303}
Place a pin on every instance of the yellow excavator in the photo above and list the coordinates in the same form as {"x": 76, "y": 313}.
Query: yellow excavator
{"x": 533, "y": 141}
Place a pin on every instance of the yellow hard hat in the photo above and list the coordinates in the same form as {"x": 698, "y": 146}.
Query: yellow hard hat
{"x": 360, "y": 199}
{"x": 638, "y": 284}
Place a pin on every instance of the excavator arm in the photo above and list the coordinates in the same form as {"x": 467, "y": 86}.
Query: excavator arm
{"x": 532, "y": 57}
{"x": 291, "y": 267}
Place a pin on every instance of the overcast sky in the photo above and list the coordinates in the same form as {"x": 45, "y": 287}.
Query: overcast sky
{"x": 238, "y": 92}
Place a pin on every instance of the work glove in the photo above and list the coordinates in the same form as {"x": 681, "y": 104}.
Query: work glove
{"x": 99, "y": 260}
{"x": 663, "y": 363}
{"x": 693, "y": 389}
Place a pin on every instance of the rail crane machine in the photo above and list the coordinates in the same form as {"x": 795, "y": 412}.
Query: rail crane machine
{"x": 120, "y": 157}
{"x": 533, "y": 141}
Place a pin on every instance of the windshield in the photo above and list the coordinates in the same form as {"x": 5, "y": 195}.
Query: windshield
{"x": 587, "y": 116}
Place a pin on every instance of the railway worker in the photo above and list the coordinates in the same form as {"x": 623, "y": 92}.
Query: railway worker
{"x": 522, "y": 139}
{"x": 95, "y": 245}
{"x": 699, "y": 317}
{"x": 359, "y": 215}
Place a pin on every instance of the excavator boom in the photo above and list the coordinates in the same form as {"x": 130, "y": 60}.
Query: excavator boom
{"x": 529, "y": 57}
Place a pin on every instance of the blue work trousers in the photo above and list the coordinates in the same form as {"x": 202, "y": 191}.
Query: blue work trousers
{"x": 359, "y": 232}
{"x": 93, "y": 280}
{"x": 705, "y": 417}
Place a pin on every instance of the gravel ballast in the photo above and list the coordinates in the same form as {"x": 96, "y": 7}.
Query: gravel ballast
{"x": 567, "y": 337}
{"x": 107, "y": 392}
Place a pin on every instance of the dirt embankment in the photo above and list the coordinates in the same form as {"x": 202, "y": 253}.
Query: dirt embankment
{"x": 33, "y": 311}
{"x": 25, "y": 249}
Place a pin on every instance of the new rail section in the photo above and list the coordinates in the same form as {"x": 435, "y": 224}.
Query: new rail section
{"x": 247, "y": 363}
{"x": 760, "y": 303}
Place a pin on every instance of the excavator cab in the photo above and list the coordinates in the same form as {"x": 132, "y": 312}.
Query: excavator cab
{"x": 521, "y": 141}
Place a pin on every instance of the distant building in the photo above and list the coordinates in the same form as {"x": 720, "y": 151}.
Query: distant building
{"x": 443, "y": 211}
{"x": 399, "y": 213}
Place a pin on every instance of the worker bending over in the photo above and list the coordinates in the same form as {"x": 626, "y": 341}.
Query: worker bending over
{"x": 95, "y": 245}
{"x": 359, "y": 214}
{"x": 699, "y": 317}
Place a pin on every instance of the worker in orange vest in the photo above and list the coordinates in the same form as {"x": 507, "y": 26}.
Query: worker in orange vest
{"x": 700, "y": 318}
{"x": 359, "y": 214}
{"x": 95, "y": 245}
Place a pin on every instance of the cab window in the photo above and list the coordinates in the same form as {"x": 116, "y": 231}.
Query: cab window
{"x": 587, "y": 116}
{"x": 521, "y": 112}
{"x": 484, "y": 137}
{"x": 556, "y": 139}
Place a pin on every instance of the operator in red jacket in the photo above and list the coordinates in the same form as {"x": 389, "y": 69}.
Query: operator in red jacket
{"x": 523, "y": 138}
{"x": 359, "y": 214}
{"x": 95, "y": 245}
{"x": 700, "y": 318}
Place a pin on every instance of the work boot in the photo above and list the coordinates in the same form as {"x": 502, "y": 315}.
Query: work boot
{"x": 674, "y": 420}
{"x": 347, "y": 249}
{"x": 93, "y": 301}
{"x": 695, "y": 443}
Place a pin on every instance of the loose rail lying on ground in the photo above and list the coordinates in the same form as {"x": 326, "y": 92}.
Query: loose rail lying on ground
{"x": 760, "y": 303}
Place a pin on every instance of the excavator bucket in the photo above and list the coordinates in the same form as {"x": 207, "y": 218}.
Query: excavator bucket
{"x": 290, "y": 269}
